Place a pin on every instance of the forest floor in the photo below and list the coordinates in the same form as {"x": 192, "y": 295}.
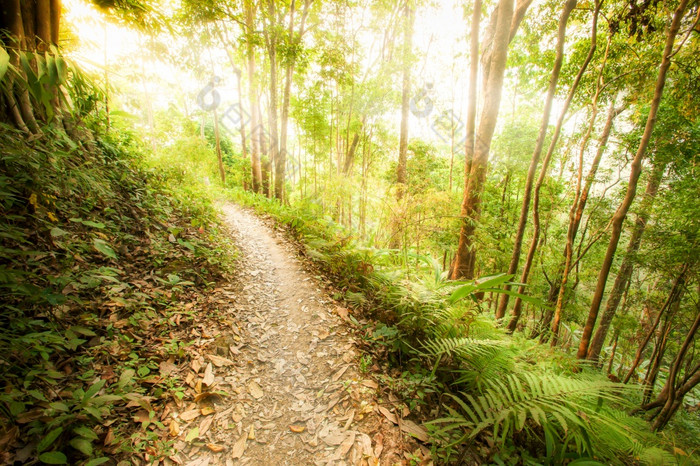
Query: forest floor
{"x": 286, "y": 384}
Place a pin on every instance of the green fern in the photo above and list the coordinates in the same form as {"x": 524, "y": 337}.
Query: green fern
{"x": 465, "y": 348}
{"x": 517, "y": 401}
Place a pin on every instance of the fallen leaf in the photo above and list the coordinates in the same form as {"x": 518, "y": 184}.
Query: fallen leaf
{"x": 339, "y": 374}
{"x": 370, "y": 384}
{"x": 208, "y": 375}
{"x": 342, "y": 312}
{"x": 205, "y": 425}
{"x": 388, "y": 414}
{"x": 196, "y": 365}
{"x": 345, "y": 446}
{"x": 414, "y": 430}
{"x": 174, "y": 428}
{"x": 192, "y": 434}
{"x": 142, "y": 416}
{"x": 208, "y": 397}
{"x": 207, "y": 410}
{"x": 239, "y": 447}
{"x": 255, "y": 390}
{"x": 219, "y": 361}
{"x": 167, "y": 367}
{"x": 189, "y": 415}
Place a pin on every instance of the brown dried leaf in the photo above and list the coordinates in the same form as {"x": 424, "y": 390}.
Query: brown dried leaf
{"x": 190, "y": 415}
{"x": 208, "y": 375}
{"x": 345, "y": 446}
{"x": 174, "y": 428}
{"x": 255, "y": 390}
{"x": 196, "y": 365}
{"x": 219, "y": 361}
{"x": 414, "y": 430}
{"x": 207, "y": 410}
{"x": 388, "y": 414}
{"x": 239, "y": 447}
{"x": 205, "y": 425}
{"x": 370, "y": 384}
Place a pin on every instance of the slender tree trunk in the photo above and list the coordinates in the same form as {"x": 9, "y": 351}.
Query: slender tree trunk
{"x": 273, "y": 138}
{"x": 579, "y": 204}
{"x": 636, "y": 168}
{"x": 539, "y": 144}
{"x": 673, "y": 295}
{"x": 465, "y": 259}
{"x": 405, "y": 97}
{"x": 256, "y": 168}
{"x": 656, "y": 359}
{"x": 674, "y": 395}
{"x": 625, "y": 273}
{"x": 611, "y": 361}
{"x": 222, "y": 171}
{"x": 517, "y": 306}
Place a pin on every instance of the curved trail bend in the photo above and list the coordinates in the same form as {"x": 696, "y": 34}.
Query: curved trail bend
{"x": 297, "y": 396}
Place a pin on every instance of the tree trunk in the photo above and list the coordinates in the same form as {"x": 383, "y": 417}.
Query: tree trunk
{"x": 256, "y": 168}
{"x": 465, "y": 258}
{"x": 273, "y": 140}
{"x": 517, "y": 307}
{"x": 673, "y": 295}
{"x": 539, "y": 144}
{"x": 405, "y": 98}
{"x": 625, "y": 273}
{"x": 674, "y": 395}
{"x": 636, "y": 168}
{"x": 222, "y": 171}
{"x": 579, "y": 204}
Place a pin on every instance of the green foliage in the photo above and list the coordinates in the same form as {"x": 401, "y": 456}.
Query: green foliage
{"x": 95, "y": 249}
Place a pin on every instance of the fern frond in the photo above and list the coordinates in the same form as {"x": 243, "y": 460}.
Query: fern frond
{"x": 462, "y": 347}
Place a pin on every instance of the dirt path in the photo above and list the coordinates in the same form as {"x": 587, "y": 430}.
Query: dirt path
{"x": 295, "y": 392}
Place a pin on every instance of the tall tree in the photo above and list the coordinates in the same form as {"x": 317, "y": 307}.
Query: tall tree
{"x": 625, "y": 273}
{"x": 534, "y": 242}
{"x": 635, "y": 171}
{"x": 464, "y": 261}
{"x": 539, "y": 145}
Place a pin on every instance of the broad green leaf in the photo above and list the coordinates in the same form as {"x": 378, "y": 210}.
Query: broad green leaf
{"x": 82, "y": 330}
{"x": 4, "y": 62}
{"x": 90, "y": 223}
{"x": 97, "y": 461}
{"x": 85, "y": 432}
{"x": 49, "y": 439}
{"x": 58, "y": 406}
{"x": 462, "y": 292}
{"x": 103, "y": 247}
{"x": 53, "y": 457}
{"x": 62, "y": 70}
{"x": 82, "y": 445}
{"x": 94, "y": 388}
{"x": 126, "y": 378}
{"x": 56, "y": 232}
{"x": 37, "y": 394}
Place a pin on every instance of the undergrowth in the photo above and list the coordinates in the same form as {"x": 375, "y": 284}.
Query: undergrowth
{"x": 102, "y": 264}
{"x": 484, "y": 395}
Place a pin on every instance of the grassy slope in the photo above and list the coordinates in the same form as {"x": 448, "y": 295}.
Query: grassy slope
{"x": 102, "y": 267}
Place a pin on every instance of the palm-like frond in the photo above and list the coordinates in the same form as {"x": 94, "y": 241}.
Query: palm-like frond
{"x": 506, "y": 405}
